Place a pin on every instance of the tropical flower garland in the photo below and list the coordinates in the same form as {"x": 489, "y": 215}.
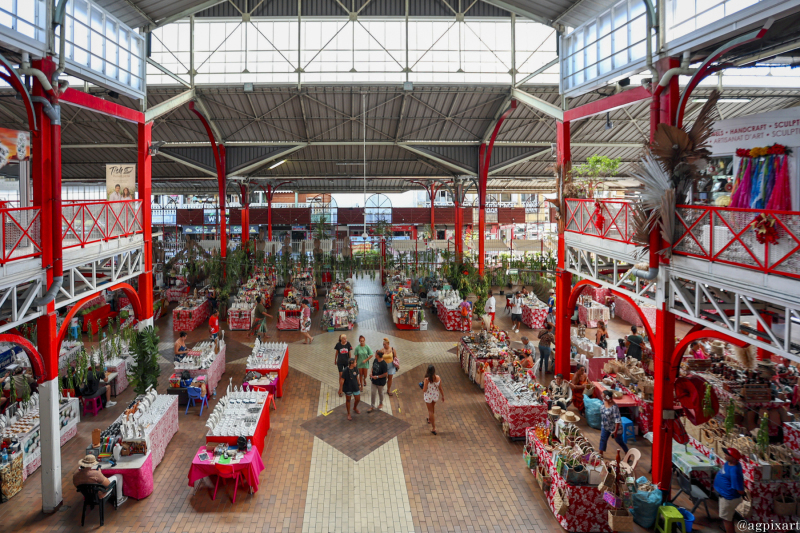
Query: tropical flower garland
{"x": 764, "y": 226}
{"x": 775, "y": 149}
{"x": 597, "y": 216}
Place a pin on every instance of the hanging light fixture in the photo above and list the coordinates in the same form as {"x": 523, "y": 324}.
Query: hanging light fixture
{"x": 609, "y": 124}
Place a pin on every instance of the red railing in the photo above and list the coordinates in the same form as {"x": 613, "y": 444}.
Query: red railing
{"x": 85, "y": 223}
{"x": 21, "y": 237}
{"x": 616, "y": 223}
{"x": 727, "y": 235}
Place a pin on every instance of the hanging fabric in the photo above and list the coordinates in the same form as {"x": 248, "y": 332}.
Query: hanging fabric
{"x": 781, "y": 197}
{"x": 741, "y": 198}
{"x": 757, "y": 191}
{"x": 774, "y": 167}
{"x": 739, "y": 175}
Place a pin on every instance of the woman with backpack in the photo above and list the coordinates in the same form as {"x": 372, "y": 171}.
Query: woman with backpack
{"x": 388, "y": 354}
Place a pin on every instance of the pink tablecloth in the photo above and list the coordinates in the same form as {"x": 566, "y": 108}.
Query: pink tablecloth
{"x": 212, "y": 374}
{"x": 587, "y": 510}
{"x": 176, "y": 295}
{"x": 533, "y": 317}
{"x": 137, "y": 483}
{"x": 518, "y": 417}
{"x": 190, "y": 319}
{"x": 584, "y": 314}
{"x": 627, "y": 312}
{"x": 251, "y": 466}
{"x": 598, "y": 294}
{"x": 121, "y": 369}
{"x": 163, "y": 432}
{"x": 452, "y": 319}
{"x": 34, "y": 465}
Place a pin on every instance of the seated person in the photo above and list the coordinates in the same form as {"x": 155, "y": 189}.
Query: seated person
{"x": 180, "y": 347}
{"x": 89, "y": 474}
{"x": 528, "y": 345}
{"x": 102, "y": 376}
{"x": 527, "y": 361}
{"x": 559, "y": 392}
{"x": 697, "y": 350}
{"x": 93, "y": 387}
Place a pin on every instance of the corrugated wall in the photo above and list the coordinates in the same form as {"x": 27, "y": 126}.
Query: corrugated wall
{"x": 375, "y": 8}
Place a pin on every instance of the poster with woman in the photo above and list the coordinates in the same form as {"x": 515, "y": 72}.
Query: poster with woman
{"x": 120, "y": 182}
{"x": 14, "y": 146}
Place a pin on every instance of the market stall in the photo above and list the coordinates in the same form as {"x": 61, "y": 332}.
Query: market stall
{"x": 25, "y": 429}
{"x": 240, "y": 311}
{"x": 591, "y": 312}
{"x": 289, "y": 312}
{"x": 453, "y": 312}
{"x": 407, "y": 310}
{"x": 176, "y": 294}
{"x": 534, "y": 312}
{"x": 340, "y": 309}
{"x": 303, "y": 284}
{"x": 483, "y": 352}
{"x": 69, "y": 352}
{"x": 516, "y": 402}
{"x": 270, "y": 358}
{"x": 207, "y": 359}
{"x": 143, "y": 433}
{"x": 190, "y": 314}
{"x": 240, "y": 414}
{"x": 626, "y": 311}
{"x": 247, "y": 462}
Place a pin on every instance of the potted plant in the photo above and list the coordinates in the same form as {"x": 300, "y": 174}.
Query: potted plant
{"x": 145, "y": 368}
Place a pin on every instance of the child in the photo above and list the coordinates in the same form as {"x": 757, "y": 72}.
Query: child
{"x": 621, "y": 349}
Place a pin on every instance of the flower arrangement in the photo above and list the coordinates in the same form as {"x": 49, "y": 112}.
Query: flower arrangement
{"x": 775, "y": 149}
{"x": 597, "y": 217}
{"x": 764, "y": 226}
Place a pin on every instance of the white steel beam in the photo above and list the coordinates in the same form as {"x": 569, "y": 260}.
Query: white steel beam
{"x": 169, "y": 73}
{"x": 162, "y": 108}
{"x": 538, "y": 104}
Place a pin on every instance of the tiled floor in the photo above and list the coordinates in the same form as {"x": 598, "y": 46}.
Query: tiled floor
{"x": 394, "y": 475}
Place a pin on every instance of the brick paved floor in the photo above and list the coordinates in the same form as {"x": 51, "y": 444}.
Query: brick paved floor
{"x": 468, "y": 478}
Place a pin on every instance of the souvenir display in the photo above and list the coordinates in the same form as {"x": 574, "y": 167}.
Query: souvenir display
{"x": 486, "y": 351}
{"x": 518, "y": 402}
{"x": 340, "y": 309}
{"x": 270, "y": 358}
{"x": 206, "y": 361}
{"x": 407, "y": 310}
{"x": 190, "y": 314}
{"x": 453, "y": 311}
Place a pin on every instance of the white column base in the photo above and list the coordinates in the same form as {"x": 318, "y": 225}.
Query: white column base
{"x": 51, "y": 445}
{"x": 142, "y": 324}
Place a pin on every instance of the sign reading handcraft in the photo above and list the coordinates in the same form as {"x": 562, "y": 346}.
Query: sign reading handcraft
{"x": 120, "y": 182}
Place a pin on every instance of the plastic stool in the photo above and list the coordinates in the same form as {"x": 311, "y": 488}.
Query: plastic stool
{"x": 667, "y": 517}
{"x": 628, "y": 432}
{"x": 271, "y": 398}
{"x": 93, "y": 405}
{"x": 196, "y": 393}
{"x": 315, "y": 304}
{"x": 74, "y": 332}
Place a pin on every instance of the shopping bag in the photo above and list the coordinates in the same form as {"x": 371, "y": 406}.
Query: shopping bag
{"x": 561, "y": 502}
{"x": 746, "y": 507}
{"x": 620, "y": 520}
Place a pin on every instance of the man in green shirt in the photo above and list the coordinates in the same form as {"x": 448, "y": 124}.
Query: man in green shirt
{"x": 635, "y": 342}
{"x": 260, "y": 322}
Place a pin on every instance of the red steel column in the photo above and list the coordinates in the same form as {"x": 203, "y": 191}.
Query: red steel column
{"x": 431, "y": 196}
{"x": 245, "y": 214}
{"x": 222, "y": 184}
{"x": 44, "y": 197}
{"x": 563, "y": 278}
{"x": 144, "y": 178}
{"x": 481, "y": 211}
{"x": 458, "y": 229}
{"x": 664, "y": 343}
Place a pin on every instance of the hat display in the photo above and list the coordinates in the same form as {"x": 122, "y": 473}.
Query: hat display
{"x": 555, "y": 411}
{"x": 571, "y": 417}
{"x": 718, "y": 347}
{"x": 90, "y": 461}
{"x": 618, "y": 395}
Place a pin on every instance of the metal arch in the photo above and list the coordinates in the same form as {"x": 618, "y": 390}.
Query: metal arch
{"x": 12, "y": 78}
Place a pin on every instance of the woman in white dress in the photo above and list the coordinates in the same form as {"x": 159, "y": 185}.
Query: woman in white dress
{"x": 432, "y": 392}
{"x": 305, "y": 322}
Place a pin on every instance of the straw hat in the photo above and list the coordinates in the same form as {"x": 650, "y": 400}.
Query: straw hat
{"x": 555, "y": 411}
{"x": 618, "y": 394}
{"x": 90, "y": 461}
{"x": 571, "y": 417}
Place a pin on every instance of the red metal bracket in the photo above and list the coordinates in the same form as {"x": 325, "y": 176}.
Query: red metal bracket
{"x": 93, "y": 103}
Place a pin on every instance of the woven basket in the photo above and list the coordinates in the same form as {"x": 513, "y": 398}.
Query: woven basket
{"x": 620, "y": 520}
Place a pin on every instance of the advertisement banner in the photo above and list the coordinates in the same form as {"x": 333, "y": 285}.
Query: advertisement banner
{"x": 14, "y": 146}
{"x": 121, "y": 182}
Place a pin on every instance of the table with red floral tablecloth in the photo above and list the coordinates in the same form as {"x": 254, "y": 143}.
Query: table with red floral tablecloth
{"x": 176, "y": 294}
{"x": 250, "y": 466}
{"x": 452, "y": 318}
{"x": 534, "y": 317}
{"x": 791, "y": 435}
{"x": 598, "y": 294}
{"x": 289, "y": 319}
{"x": 281, "y": 368}
{"x": 762, "y": 491}
{"x": 518, "y": 417}
{"x": 137, "y": 470}
{"x": 592, "y": 315}
{"x": 587, "y": 511}
{"x": 190, "y": 319}
{"x": 627, "y": 312}
{"x": 239, "y": 319}
{"x": 213, "y": 373}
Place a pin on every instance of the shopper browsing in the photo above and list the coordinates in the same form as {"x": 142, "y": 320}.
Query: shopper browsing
{"x": 621, "y": 349}
{"x": 213, "y": 324}
{"x": 380, "y": 371}
{"x": 432, "y": 392}
{"x": 348, "y": 384}
{"x": 489, "y": 306}
{"x": 634, "y": 344}
{"x": 601, "y": 335}
{"x": 578, "y": 386}
{"x": 260, "y": 322}
{"x": 610, "y": 423}
{"x": 388, "y": 354}
{"x": 305, "y": 322}
{"x": 729, "y": 484}
{"x": 516, "y": 312}
{"x": 363, "y": 354}
{"x": 342, "y": 352}
{"x": 546, "y": 340}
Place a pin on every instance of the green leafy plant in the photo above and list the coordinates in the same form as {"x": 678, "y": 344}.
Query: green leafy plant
{"x": 762, "y": 438}
{"x": 145, "y": 368}
{"x": 730, "y": 417}
{"x": 708, "y": 409}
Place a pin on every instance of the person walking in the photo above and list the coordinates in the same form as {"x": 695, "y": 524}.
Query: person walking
{"x": 432, "y": 392}
{"x": 348, "y": 385}
{"x": 213, "y": 324}
{"x": 610, "y": 423}
{"x": 490, "y": 306}
{"x": 342, "y": 352}
{"x": 363, "y": 354}
{"x": 546, "y": 340}
{"x": 380, "y": 371}
{"x": 305, "y": 322}
{"x": 516, "y": 312}
{"x": 634, "y": 343}
{"x": 388, "y": 354}
{"x": 259, "y": 326}
{"x": 729, "y": 484}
